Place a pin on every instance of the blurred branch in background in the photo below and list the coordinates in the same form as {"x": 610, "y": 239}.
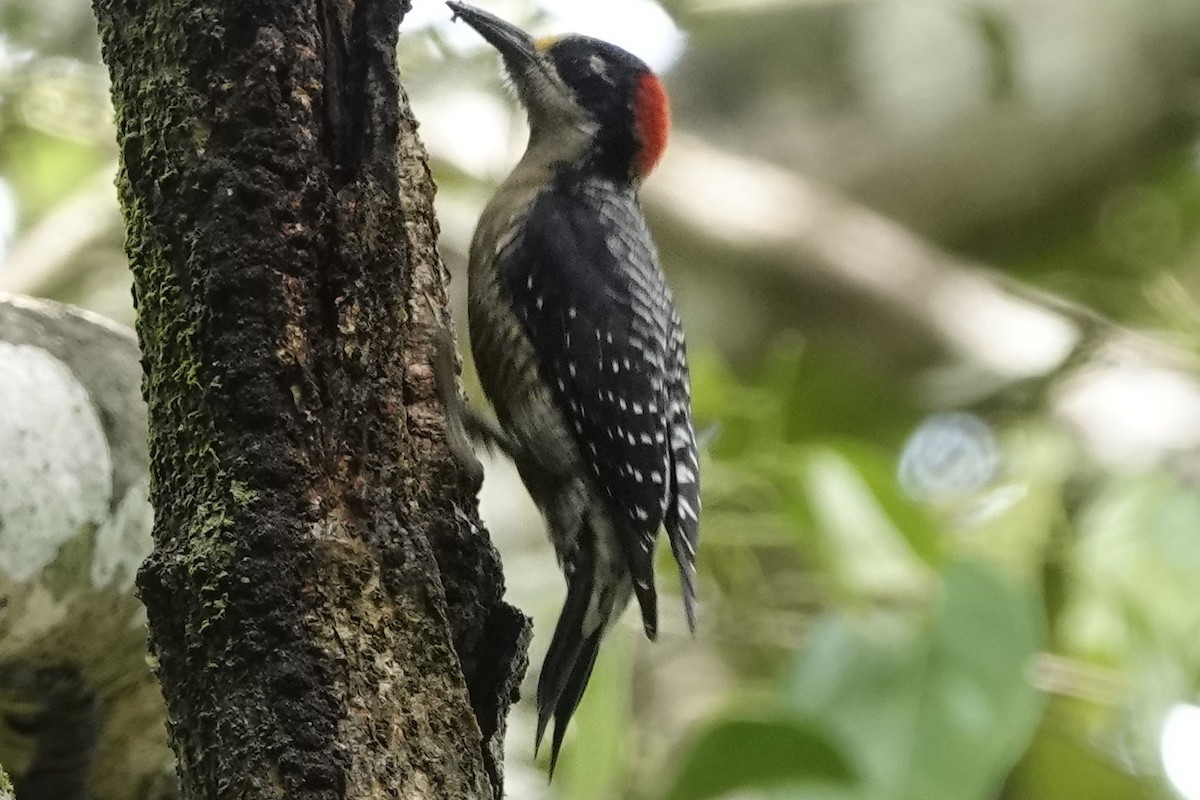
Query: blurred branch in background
{"x": 986, "y": 125}
{"x": 82, "y": 712}
{"x": 915, "y": 305}
{"x": 51, "y": 257}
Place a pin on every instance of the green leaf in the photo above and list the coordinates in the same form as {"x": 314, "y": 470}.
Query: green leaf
{"x": 44, "y": 169}
{"x": 794, "y": 396}
{"x": 757, "y": 754}
{"x": 1132, "y": 598}
{"x": 864, "y": 549}
{"x": 932, "y": 707}
{"x": 909, "y": 518}
{"x": 1061, "y": 767}
{"x": 1137, "y": 557}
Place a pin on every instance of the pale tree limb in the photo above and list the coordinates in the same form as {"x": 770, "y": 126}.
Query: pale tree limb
{"x": 82, "y": 710}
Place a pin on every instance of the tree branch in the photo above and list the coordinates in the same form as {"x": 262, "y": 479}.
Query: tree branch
{"x": 80, "y": 709}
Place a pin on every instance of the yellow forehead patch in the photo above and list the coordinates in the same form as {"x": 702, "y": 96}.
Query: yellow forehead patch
{"x": 545, "y": 43}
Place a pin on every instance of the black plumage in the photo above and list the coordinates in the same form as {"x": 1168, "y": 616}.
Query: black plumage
{"x": 578, "y": 345}
{"x": 594, "y": 305}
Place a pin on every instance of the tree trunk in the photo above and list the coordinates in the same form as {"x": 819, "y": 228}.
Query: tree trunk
{"x": 324, "y": 608}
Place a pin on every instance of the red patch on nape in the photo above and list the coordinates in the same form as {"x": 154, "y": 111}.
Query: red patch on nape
{"x": 652, "y": 118}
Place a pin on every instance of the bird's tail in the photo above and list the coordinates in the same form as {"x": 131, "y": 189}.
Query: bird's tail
{"x": 572, "y": 654}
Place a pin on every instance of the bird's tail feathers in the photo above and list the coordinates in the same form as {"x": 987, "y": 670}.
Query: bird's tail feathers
{"x": 565, "y": 649}
{"x": 641, "y": 576}
{"x": 573, "y": 648}
{"x": 572, "y": 692}
{"x": 687, "y": 572}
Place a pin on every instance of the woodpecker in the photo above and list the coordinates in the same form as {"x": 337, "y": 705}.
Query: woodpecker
{"x": 578, "y": 345}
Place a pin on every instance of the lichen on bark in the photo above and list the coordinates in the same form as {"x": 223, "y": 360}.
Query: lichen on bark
{"x": 324, "y": 607}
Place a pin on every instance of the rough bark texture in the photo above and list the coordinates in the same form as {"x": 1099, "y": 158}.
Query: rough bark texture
{"x": 324, "y": 608}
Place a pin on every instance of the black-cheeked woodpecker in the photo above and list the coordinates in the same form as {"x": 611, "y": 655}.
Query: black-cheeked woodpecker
{"x": 578, "y": 345}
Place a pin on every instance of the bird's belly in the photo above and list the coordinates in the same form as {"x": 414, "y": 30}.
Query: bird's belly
{"x": 547, "y": 456}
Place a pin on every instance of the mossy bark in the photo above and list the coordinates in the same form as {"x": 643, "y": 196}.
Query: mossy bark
{"x": 325, "y": 610}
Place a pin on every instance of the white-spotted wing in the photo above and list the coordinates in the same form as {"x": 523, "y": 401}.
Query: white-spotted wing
{"x": 598, "y": 313}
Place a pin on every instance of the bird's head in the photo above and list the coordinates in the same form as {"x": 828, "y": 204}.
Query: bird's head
{"x": 575, "y": 84}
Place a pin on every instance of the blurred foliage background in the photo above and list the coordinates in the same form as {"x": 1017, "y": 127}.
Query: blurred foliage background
{"x": 940, "y": 267}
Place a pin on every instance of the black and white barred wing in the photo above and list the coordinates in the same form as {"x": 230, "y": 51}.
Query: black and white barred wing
{"x": 682, "y": 518}
{"x": 598, "y": 313}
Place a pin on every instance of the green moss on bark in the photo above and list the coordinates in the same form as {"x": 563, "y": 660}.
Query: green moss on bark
{"x": 305, "y": 532}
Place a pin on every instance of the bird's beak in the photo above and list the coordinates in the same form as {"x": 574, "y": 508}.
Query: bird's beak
{"x": 514, "y": 44}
